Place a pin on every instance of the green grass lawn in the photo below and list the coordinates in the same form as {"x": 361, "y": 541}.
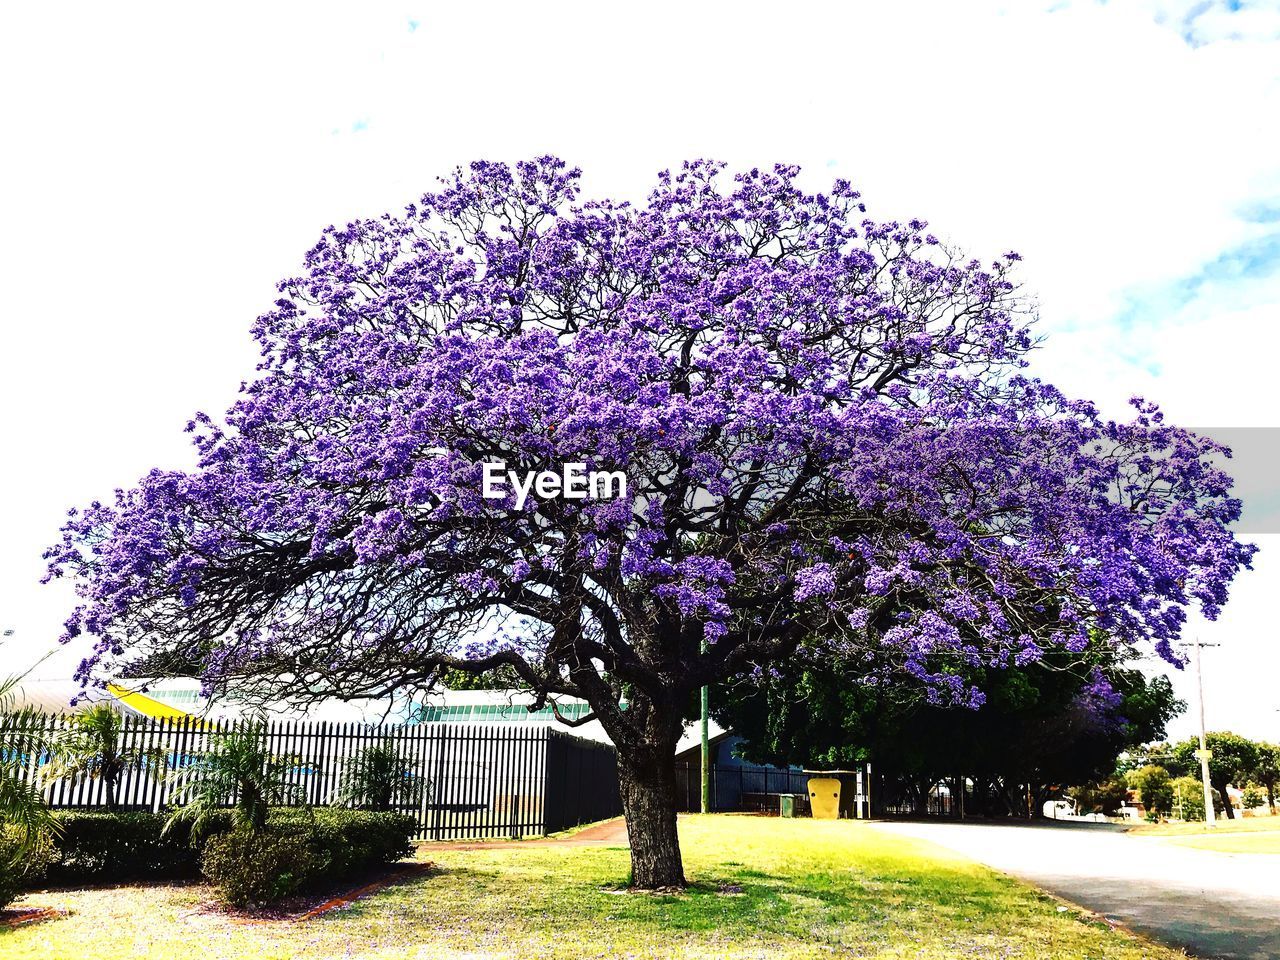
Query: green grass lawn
{"x": 1242, "y": 835}
{"x": 1221, "y": 825}
{"x": 762, "y": 888}
{"x": 1254, "y": 842}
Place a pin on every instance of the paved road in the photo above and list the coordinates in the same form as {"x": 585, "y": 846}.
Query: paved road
{"x": 1216, "y": 905}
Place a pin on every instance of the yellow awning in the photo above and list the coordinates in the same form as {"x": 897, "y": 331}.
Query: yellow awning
{"x": 145, "y": 705}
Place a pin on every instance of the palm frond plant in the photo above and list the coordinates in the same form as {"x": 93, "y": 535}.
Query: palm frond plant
{"x": 238, "y": 771}
{"x": 94, "y": 746}
{"x": 378, "y": 778}
{"x": 23, "y": 743}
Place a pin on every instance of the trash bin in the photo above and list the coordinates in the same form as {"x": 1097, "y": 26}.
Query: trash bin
{"x": 824, "y": 798}
{"x": 786, "y": 805}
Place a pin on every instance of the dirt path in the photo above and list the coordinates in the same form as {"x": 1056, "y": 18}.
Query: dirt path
{"x": 608, "y": 833}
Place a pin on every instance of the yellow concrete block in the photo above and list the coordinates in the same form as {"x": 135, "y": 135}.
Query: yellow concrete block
{"x": 824, "y": 798}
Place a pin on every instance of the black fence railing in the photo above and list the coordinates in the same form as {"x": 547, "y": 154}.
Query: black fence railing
{"x": 930, "y": 806}
{"x": 745, "y": 787}
{"x": 581, "y": 784}
{"x": 476, "y": 781}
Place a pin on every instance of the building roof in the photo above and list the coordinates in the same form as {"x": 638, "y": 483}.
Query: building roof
{"x": 690, "y": 747}
{"x": 53, "y": 696}
{"x": 179, "y": 697}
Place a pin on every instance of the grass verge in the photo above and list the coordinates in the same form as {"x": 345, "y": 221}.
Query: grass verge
{"x": 1197, "y": 827}
{"x": 1255, "y": 842}
{"x": 762, "y": 888}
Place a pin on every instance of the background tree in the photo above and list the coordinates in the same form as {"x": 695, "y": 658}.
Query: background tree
{"x": 1155, "y": 789}
{"x": 1233, "y": 759}
{"x": 1188, "y": 798}
{"x": 1252, "y": 797}
{"x": 92, "y": 747}
{"x": 1105, "y": 796}
{"x": 823, "y": 422}
{"x": 1267, "y": 772}
{"x": 1062, "y": 720}
{"x": 500, "y": 678}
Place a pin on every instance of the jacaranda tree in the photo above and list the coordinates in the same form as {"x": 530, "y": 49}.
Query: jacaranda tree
{"x": 823, "y": 423}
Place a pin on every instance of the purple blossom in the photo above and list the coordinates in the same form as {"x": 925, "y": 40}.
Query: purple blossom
{"x": 824, "y": 420}
{"x": 815, "y": 581}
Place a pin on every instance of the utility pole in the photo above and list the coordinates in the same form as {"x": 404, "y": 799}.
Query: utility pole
{"x": 706, "y": 746}
{"x": 1203, "y": 752}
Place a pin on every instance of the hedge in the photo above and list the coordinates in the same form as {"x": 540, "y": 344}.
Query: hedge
{"x": 250, "y": 869}
{"x": 302, "y": 850}
{"x": 19, "y": 869}
{"x": 102, "y": 847}
{"x": 352, "y": 840}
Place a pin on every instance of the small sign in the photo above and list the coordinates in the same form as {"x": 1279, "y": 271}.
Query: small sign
{"x": 1204, "y": 754}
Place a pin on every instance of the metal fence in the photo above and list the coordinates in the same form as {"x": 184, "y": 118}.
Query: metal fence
{"x": 904, "y": 806}
{"x": 477, "y": 781}
{"x": 744, "y": 787}
{"x": 581, "y": 783}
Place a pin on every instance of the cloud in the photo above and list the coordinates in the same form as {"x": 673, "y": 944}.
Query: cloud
{"x": 1200, "y": 22}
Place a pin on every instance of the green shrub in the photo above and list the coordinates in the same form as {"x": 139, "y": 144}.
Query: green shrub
{"x": 100, "y": 847}
{"x": 20, "y": 868}
{"x": 350, "y": 840}
{"x": 1106, "y": 796}
{"x": 239, "y": 764}
{"x": 302, "y": 849}
{"x": 251, "y": 869}
{"x": 380, "y": 777}
{"x": 1188, "y": 798}
{"x": 1155, "y": 787}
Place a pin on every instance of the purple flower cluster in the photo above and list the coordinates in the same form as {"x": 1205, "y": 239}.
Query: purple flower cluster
{"x": 823, "y": 419}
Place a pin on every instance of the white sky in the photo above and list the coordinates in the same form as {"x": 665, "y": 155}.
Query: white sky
{"x": 163, "y": 165}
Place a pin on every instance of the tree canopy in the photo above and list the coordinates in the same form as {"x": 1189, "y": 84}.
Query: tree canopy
{"x": 1060, "y": 721}
{"x": 1233, "y": 760}
{"x": 823, "y": 420}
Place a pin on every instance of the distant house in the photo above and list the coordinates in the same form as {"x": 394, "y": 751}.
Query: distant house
{"x": 735, "y": 783}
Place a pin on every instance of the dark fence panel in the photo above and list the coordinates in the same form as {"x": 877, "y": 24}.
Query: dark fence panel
{"x": 748, "y": 787}
{"x": 476, "y": 780}
{"x": 582, "y": 782}
{"x": 932, "y": 806}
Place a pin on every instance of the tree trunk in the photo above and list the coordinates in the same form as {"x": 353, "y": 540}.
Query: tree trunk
{"x": 1040, "y": 794}
{"x": 1226, "y": 800}
{"x": 647, "y": 781}
{"x": 1004, "y": 797}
